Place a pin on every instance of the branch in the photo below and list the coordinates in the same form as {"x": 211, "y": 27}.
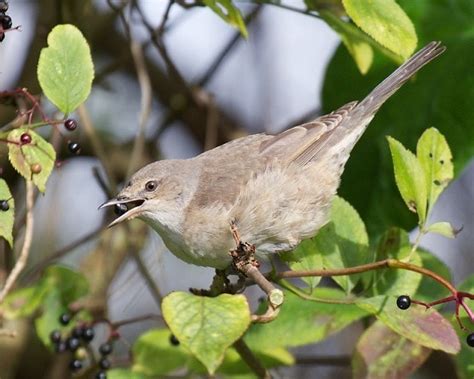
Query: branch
{"x": 20, "y": 264}
{"x": 251, "y": 360}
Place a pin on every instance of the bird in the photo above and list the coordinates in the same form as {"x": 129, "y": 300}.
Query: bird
{"x": 276, "y": 190}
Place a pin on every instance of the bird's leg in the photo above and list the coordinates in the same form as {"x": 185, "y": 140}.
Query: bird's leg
{"x": 244, "y": 253}
{"x": 220, "y": 284}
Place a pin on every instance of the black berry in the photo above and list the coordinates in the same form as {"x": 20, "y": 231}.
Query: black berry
{"x": 105, "y": 348}
{"x": 25, "y": 138}
{"x": 77, "y": 332}
{"x": 120, "y": 209}
{"x": 55, "y": 336}
{"x": 101, "y": 375}
{"x": 6, "y": 22}
{"x": 4, "y": 205}
{"x": 70, "y": 124}
{"x": 73, "y": 343}
{"x": 173, "y": 340}
{"x": 403, "y": 302}
{"x": 65, "y": 318}
{"x": 75, "y": 365}
{"x": 88, "y": 334}
{"x": 104, "y": 364}
{"x": 60, "y": 347}
{"x": 470, "y": 339}
{"x": 74, "y": 147}
{"x": 3, "y": 6}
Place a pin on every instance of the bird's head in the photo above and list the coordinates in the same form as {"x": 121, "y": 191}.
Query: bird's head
{"x": 155, "y": 194}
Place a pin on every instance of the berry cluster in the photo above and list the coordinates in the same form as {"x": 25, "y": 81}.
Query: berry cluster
{"x": 404, "y": 302}
{"x": 5, "y": 20}
{"x": 70, "y": 124}
{"x": 80, "y": 336}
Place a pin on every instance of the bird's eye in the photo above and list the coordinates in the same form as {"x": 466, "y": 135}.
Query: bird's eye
{"x": 151, "y": 185}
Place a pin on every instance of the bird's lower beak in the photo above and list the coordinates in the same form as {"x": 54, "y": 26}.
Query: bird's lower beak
{"x": 128, "y": 208}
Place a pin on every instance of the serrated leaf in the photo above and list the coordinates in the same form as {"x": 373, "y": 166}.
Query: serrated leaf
{"x": 343, "y": 242}
{"x": 382, "y": 353}
{"x": 386, "y": 22}
{"x": 156, "y": 343}
{"x": 360, "y": 50}
{"x": 206, "y": 326}
{"x": 410, "y": 178}
{"x": 424, "y": 326}
{"x": 435, "y": 158}
{"x": 226, "y": 10}
{"x": 24, "y": 157}
{"x": 301, "y": 322}
{"x": 443, "y": 228}
{"x": 7, "y": 218}
{"x": 65, "y": 68}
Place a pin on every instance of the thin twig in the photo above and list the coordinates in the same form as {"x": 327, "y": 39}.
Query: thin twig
{"x": 146, "y": 97}
{"x": 25, "y": 250}
{"x": 155, "y": 291}
{"x": 161, "y": 28}
{"x": 251, "y": 360}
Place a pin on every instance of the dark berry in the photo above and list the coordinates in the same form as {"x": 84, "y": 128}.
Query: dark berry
{"x": 55, "y": 336}
{"x": 65, "y": 318}
{"x": 3, "y": 6}
{"x": 120, "y": 209}
{"x": 6, "y": 22}
{"x": 74, "y": 147}
{"x": 77, "y": 332}
{"x": 70, "y": 124}
{"x": 173, "y": 340}
{"x": 60, "y": 347}
{"x": 470, "y": 339}
{"x": 104, "y": 364}
{"x": 73, "y": 343}
{"x": 75, "y": 365}
{"x": 88, "y": 334}
{"x": 25, "y": 138}
{"x": 105, "y": 348}
{"x": 403, "y": 302}
{"x": 4, "y": 205}
{"x": 101, "y": 375}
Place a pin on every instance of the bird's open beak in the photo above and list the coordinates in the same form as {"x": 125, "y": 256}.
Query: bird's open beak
{"x": 132, "y": 208}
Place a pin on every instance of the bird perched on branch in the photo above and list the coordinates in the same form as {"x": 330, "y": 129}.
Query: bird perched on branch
{"x": 276, "y": 190}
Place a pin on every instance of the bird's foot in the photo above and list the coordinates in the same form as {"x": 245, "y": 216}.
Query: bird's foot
{"x": 220, "y": 284}
{"x": 244, "y": 253}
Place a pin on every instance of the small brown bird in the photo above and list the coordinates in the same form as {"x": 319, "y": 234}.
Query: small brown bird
{"x": 277, "y": 189}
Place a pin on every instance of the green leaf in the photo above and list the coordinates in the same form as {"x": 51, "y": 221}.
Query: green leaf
{"x": 410, "y": 178}
{"x": 27, "y": 158}
{"x": 156, "y": 343}
{"x": 382, "y": 353}
{"x": 305, "y": 257}
{"x": 443, "y": 228}
{"x": 226, "y": 10}
{"x": 435, "y": 158}
{"x": 385, "y": 22}
{"x": 424, "y": 326}
{"x": 301, "y": 322}
{"x": 343, "y": 242}
{"x": 7, "y": 217}
{"x": 23, "y": 302}
{"x": 65, "y": 68}
{"x": 121, "y": 373}
{"x": 206, "y": 326}
{"x": 360, "y": 50}
{"x": 394, "y": 244}
{"x": 429, "y": 289}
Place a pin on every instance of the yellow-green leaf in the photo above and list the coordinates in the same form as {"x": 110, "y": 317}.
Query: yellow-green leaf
{"x": 35, "y": 160}
{"x": 206, "y": 326}
{"x": 229, "y": 13}
{"x": 435, "y": 158}
{"x": 386, "y": 22}
{"x": 444, "y": 228}
{"x": 7, "y": 217}
{"x": 410, "y": 178}
{"x": 65, "y": 68}
{"x": 360, "y": 50}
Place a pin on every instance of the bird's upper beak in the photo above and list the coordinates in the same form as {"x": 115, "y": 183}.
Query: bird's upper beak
{"x": 133, "y": 208}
